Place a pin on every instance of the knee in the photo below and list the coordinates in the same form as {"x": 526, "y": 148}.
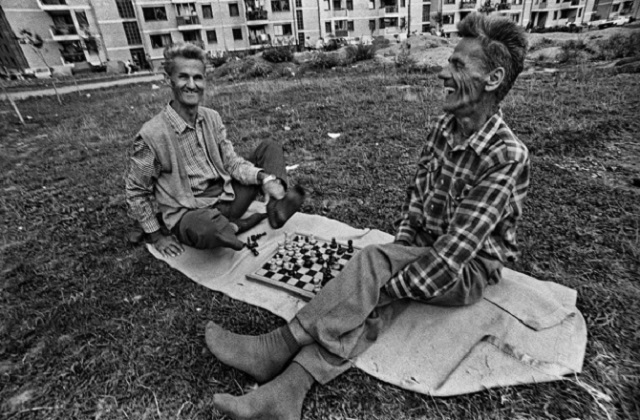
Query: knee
{"x": 267, "y": 146}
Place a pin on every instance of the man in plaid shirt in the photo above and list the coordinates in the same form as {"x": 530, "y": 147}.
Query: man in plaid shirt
{"x": 457, "y": 229}
{"x": 183, "y": 166}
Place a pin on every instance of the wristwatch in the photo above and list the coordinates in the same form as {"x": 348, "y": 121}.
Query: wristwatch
{"x": 268, "y": 178}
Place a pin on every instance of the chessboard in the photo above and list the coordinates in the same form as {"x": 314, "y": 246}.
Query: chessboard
{"x": 304, "y": 263}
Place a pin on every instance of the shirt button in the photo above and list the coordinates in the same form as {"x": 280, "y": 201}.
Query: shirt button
{"x": 431, "y": 207}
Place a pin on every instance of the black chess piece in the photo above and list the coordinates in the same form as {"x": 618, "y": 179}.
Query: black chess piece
{"x": 340, "y": 250}
{"x": 350, "y": 243}
{"x": 334, "y": 244}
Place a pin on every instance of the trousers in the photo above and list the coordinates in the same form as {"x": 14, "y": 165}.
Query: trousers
{"x": 347, "y": 315}
{"x": 209, "y": 228}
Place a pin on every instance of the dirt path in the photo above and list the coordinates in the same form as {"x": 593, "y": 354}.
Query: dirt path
{"x": 87, "y": 86}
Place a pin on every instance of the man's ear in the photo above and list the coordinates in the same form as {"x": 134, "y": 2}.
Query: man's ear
{"x": 167, "y": 79}
{"x": 494, "y": 79}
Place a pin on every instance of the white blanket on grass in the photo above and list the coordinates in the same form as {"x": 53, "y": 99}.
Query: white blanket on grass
{"x": 523, "y": 331}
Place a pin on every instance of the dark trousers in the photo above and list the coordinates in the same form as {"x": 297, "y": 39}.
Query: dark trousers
{"x": 209, "y": 228}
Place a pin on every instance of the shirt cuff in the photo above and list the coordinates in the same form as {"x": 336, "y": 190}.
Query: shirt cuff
{"x": 150, "y": 225}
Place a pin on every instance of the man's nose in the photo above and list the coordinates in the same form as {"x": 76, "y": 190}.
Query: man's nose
{"x": 444, "y": 74}
{"x": 191, "y": 83}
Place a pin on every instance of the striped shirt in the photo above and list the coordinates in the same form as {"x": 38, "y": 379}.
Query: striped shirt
{"x": 465, "y": 199}
{"x": 145, "y": 167}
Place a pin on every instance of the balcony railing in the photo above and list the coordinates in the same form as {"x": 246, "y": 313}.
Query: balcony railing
{"x": 53, "y": 2}
{"x": 575, "y": 2}
{"x": 468, "y": 5}
{"x": 542, "y": 6}
{"x": 187, "y": 20}
{"x": 63, "y": 30}
{"x": 257, "y": 15}
{"x": 391, "y": 9}
{"x": 503, "y": 6}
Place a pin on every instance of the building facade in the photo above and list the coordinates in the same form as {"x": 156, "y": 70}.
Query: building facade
{"x": 47, "y": 33}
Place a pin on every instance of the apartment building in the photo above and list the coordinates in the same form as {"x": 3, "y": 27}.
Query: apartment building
{"x": 95, "y": 31}
{"x": 52, "y": 32}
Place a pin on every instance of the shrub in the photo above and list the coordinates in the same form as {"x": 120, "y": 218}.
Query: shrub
{"x": 253, "y": 67}
{"x": 573, "y": 52}
{"x": 619, "y": 46}
{"x": 278, "y": 54}
{"x": 361, "y": 52}
{"x": 325, "y": 61}
{"x": 405, "y": 61}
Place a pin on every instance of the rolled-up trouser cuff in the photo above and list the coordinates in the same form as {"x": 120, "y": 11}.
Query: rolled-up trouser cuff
{"x": 321, "y": 364}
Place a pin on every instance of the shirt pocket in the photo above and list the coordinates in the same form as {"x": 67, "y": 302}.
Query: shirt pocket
{"x": 459, "y": 189}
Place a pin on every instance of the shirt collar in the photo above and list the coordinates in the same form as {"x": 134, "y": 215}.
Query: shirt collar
{"x": 177, "y": 122}
{"x": 479, "y": 140}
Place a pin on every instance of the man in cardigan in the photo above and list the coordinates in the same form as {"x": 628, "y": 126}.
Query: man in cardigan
{"x": 183, "y": 164}
{"x": 457, "y": 230}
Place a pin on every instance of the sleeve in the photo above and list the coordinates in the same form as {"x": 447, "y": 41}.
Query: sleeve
{"x": 140, "y": 179}
{"x": 239, "y": 168}
{"x": 473, "y": 221}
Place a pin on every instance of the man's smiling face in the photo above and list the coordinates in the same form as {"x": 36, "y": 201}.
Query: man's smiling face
{"x": 464, "y": 78}
{"x": 188, "y": 81}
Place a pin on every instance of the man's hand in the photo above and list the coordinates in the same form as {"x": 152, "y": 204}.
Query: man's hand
{"x": 168, "y": 246}
{"x": 274, "y": 189}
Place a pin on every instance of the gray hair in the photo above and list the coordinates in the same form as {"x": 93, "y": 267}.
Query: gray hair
{"x": 184, "y": 50}
{"x": 504, "y": 44}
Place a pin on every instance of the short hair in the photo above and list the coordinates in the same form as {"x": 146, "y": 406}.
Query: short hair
{"x": 184, "y": 50}
{"x": 503, "y": 42}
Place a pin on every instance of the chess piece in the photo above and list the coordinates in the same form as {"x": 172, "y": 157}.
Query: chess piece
{"x": 334, "y": 244}
{"x": 350, "y": 249}
{"x": 313, "y": 240}
{"x": 340, "y": 250}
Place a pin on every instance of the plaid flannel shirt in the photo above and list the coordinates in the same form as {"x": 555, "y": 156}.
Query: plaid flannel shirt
{"x": 465, "y": 199}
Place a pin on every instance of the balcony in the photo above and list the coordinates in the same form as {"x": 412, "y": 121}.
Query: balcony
{"x": 503, "y": 6}
{"x": 468, "y": 5}
{"x": 187, "y": 22}
{"x": 390, "y": 9}
{"x": 541, "y": 6}
{"x": 340, "y": 12}
{"x": 575, "y": 2}
{"x": 257, "y": 15}
{"x": 64, "y": 33}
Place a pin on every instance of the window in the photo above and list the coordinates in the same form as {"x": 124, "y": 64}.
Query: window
{"x": 299, "y": 19}
{"x": 191, "y": 36}
{"x": 125, "y": 9}
{"x": 234, "y": 10}
{"x": 301, "y": 40}
{"x": 403, "y": 23}
{"x": 448, "y": 19}
{"x": 403, "y": 3}
{"x": 426, "y": 12}
{"x": 515, "y": 17}
{"x": 372, "y": 25}
{"x": 207, "y": 12}
{"x": 327, "y": 27}
{"x": 579, "y": 12}
{"x": 615, "y": 8}
{"x": 349, "y": 4}
{"x": 350, "y": 25}
{"x": 449, "y": 1}
{"x": 154, "y": 13}
{"x": 280, "y": 5}
{"x": 282, "y": 29}
{"x": 132, "y": 33}
{"x": 212, "y": 38}
{"x": 237, "y": 33}
{"x": 337, "y": 4}
{"x": 327, "y": 5}
{"x": 161, "y": 40}
{"x": 298, "y": 3}
{"x": 426, "y": 27}
{"x": 372, "y": 4}
{"x": 555, "y": 15}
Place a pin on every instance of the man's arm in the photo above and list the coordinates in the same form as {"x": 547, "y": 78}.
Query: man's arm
{"x": 238, "y": 167}
{"x": 140, "y": 180}
{"x": 474, "y": 220}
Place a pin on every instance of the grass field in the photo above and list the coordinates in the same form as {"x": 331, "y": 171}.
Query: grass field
{"x": 94, "y": 328}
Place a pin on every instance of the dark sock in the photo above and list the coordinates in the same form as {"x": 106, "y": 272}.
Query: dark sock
{"x": 263, "y": 356}
{"x": 279, "y": 211}
{"x": 249, "y": 222}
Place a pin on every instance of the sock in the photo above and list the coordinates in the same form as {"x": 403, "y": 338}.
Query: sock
{"x": 263, "y": 356}
{"x": 280, "y": 399}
